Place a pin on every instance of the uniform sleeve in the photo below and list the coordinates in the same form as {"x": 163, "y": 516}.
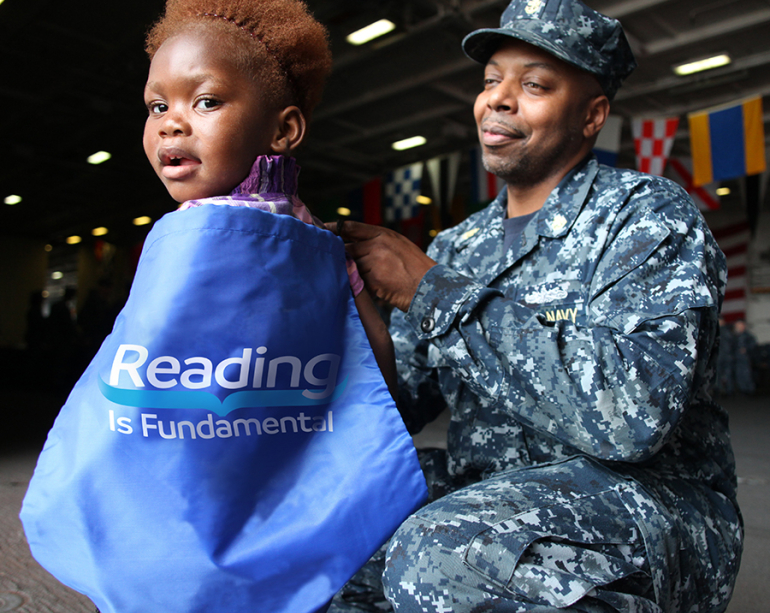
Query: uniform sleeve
{"x": 613, "y": 386}
{"x": 420, "y": 399}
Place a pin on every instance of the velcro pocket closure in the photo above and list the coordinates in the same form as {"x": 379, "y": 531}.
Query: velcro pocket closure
{"x": 550, "y": 555}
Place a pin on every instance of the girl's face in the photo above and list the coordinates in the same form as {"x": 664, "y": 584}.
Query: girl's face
{"x": 207, "y": 121}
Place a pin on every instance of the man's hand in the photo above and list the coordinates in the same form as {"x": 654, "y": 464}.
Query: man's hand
{"x": 390, "y": 264}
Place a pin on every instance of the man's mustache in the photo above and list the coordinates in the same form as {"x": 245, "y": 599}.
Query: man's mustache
{"x": 502, "y": 127}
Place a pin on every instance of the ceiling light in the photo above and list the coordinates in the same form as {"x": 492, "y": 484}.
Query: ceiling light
{"x": 409, "y": 143}
{"x": 723, "y": 191}
{"x": 48, "y": 248}
{"x": 433, "y": 233}
{"x": 101, "y": 231}
{"x": 142, "y": 221}
{"x": 343, "y": 211}
{"x": 73, "y": 240}
{"x": 13, "y": 198}
{"x": 370, "y": 32}
{"x": 423, "y": 199}
{"x": 704, "y": 64}
{"x": 99, "y": 157}
{"x": 57, "y": 275}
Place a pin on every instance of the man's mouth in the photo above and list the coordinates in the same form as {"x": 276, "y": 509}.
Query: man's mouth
{"x": 493, "y": 133}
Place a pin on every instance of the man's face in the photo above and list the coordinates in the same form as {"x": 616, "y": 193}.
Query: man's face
{"x": 207, "y": 120}
{"x": 531, "y": 114}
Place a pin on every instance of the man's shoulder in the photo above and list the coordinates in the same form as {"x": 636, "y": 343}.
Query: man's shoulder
{"x": 641, "y": 193}
{"x": 648, "y": 206}
{"x": 627, "y": 179}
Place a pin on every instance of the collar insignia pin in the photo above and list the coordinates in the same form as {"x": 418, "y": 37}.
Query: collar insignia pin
{"x": 471, "y": 233}
{"x": 558, "y": 223}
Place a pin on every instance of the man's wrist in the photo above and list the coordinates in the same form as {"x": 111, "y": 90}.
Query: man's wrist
{"x": 442, "y": 295}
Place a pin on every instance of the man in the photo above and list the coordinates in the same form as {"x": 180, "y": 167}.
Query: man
{"x": 571, "y": 328}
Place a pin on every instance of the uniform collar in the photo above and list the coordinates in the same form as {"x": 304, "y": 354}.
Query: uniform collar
{"x": 553, "y": 220}
{"x": 565, "y": 202}
{"x": 561, "y": 208}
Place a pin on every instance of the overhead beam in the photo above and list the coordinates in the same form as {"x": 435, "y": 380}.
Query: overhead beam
{"x": 431, "y": 114}
{"x": 698, "y": 35}
{"x": 391, "y": 90}
{"x": 716, "y": 101}
{"x": 670, "y": 82}
{"x": 455, "y": 92}
{"x": 621, "y": 9}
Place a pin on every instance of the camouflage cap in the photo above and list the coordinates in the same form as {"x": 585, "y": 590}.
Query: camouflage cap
{"x": 567, "y": 29}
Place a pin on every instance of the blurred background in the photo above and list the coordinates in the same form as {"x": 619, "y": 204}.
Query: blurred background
{"x": 77, "y": 196}
{"x": 75, "y": 187}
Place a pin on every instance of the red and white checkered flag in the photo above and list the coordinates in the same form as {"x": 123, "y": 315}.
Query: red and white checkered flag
{"x": 705, "y": 196}
{"x": 653, "y": 139}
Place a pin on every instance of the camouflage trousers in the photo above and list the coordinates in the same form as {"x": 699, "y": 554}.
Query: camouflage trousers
{"x": 558, "y": 537}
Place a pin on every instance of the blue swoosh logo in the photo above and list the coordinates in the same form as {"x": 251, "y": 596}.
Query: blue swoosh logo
{"x": 190, "y": 399}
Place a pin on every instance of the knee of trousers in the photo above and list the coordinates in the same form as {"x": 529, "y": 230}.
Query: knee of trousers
{"x": 414, "y": 566}
{"x": 425, "y": 571}
{"x": 431, "y": 567}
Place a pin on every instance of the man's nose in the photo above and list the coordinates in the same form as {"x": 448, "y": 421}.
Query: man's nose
{"x": 502, "y": 98}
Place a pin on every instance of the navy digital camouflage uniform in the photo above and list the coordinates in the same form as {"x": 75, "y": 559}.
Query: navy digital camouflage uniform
{"x": 588, "y": 468}
{"x": 578, "y": 368}
{"x": 726, "y": 361}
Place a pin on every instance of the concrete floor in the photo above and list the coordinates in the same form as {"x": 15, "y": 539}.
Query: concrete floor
{"x": 750, "y": 428}
{"x": 26, "y": 588}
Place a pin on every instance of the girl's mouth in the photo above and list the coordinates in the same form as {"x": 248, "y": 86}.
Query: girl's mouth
{"x": 174, "y": 156}
{"x": 176, "y": 163}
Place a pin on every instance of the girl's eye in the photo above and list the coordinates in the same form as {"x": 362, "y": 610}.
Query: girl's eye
{"x": 156, "y": 108}
{"x": 208, "y": 104}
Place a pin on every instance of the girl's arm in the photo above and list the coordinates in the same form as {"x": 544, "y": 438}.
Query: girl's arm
{"x": 379, "y": 339}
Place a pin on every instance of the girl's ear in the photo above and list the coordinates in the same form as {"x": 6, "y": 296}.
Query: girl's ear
{"x": 290, "y": 131}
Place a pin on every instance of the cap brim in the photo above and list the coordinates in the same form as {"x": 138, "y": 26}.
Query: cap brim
{"x": 482, "y": 44}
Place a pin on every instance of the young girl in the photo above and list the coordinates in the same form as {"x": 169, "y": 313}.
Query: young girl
{"x": 232, "y": 446}
{"x": 229, "y": 91}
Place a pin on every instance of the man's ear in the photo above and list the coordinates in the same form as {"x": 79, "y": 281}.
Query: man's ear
{"x": 596, "y": 114}
{"x": 290, "y": 131}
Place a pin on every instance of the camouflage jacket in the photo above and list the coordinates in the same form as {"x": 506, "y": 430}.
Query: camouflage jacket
{"x": 595, "y": 334}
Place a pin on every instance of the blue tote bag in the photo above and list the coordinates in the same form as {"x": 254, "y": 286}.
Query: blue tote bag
{"x": 232, "y": 447}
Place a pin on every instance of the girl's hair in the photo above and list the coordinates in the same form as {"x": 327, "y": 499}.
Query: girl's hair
{"x": 277, "y": 42}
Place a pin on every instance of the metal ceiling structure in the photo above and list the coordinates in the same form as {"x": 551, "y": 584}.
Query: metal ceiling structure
{"x": 72, "y": 76}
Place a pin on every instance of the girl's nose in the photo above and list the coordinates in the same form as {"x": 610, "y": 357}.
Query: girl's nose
{"x": 174, "y": 124}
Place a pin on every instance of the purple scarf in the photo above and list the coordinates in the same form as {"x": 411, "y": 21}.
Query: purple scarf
{"x": 271, "y": 186}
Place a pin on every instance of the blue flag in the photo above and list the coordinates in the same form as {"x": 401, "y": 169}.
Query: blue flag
{"x": 232, "y": 446}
